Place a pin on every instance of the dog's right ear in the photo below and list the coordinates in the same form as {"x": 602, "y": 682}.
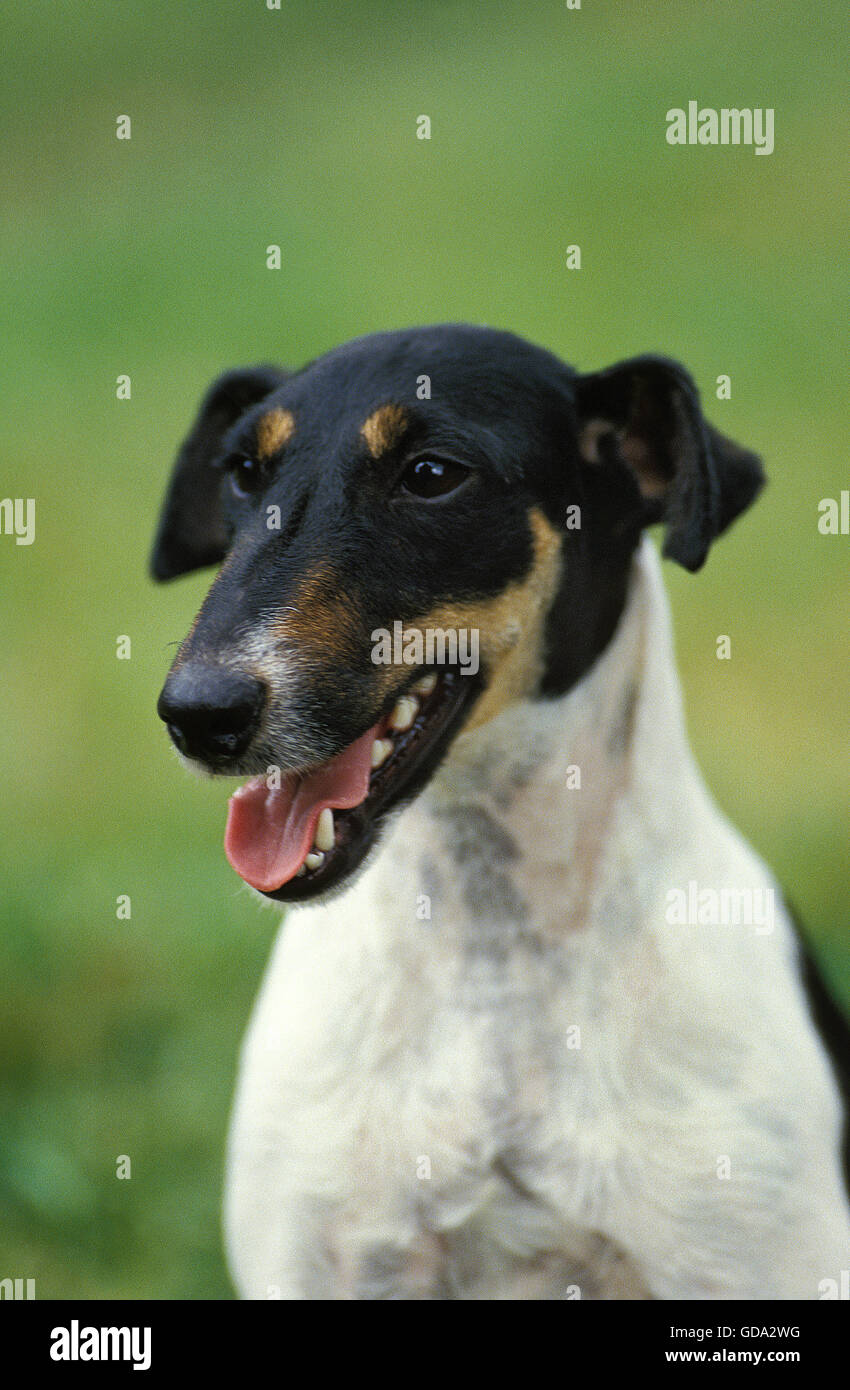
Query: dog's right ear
{"x": 644, "y": 418}
{"x": 191, "y": 530}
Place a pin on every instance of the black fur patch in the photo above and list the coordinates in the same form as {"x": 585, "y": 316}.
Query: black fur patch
{"x": 832, "y": 1025}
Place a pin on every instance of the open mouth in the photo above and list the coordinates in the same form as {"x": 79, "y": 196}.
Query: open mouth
{"x": 298, "y": 840}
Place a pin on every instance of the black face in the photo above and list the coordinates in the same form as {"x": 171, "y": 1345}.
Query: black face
{"x": 448, "y": 480}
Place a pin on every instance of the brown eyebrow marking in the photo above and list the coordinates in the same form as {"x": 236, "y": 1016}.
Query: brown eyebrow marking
{"x": 384, "y": 428}
{"x": 273, "y": 431}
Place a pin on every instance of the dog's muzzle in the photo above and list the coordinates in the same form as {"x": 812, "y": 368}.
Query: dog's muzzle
{"x": 212, "y": 712}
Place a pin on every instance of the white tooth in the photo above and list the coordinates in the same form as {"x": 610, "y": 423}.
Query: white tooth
{"x": 324, "y": 836}
{"x": 314, "y": 860}
{"x": 404, "y": 713}
{"x": 301, "y": 871}
{"x": 381, "y": 749}
{"x": 427, "y": 683}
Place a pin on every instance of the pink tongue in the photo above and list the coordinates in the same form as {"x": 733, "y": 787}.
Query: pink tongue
{"x": 269, "y": 832}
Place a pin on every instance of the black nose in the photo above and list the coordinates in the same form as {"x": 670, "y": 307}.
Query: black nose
{"x": 212, "y": 713}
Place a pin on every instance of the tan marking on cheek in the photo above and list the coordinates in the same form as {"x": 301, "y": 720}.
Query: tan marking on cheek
{"x": 273, "y": 431}
{"x": 384, "y": 428}
{"x": 511, "y": 626}
{"x": 319, "y": 617}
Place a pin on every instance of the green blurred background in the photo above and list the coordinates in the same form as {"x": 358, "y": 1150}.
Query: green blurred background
{"x": 147, "y": 257}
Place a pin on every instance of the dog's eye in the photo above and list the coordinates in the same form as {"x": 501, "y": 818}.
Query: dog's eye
{"x": 246, "y": 476}
{"x": 433, "y": 477}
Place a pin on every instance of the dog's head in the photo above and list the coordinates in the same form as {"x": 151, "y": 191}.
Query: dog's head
{"x": 417, "y": 529}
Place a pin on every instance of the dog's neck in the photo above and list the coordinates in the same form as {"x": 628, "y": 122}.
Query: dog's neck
{"x": 550, "y": 808}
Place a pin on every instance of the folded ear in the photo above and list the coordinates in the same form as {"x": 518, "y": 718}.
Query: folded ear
{"x": 191, "y": 530}
{"x": 645, "y": 414}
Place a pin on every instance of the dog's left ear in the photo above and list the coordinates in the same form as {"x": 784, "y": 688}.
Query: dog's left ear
{"x": 191, "y": 530}
{"x": 645, "y": 414}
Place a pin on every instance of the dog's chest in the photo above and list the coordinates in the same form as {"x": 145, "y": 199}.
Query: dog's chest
{"x": 480, "y": 1144}
{"x": 441, "y": 1103}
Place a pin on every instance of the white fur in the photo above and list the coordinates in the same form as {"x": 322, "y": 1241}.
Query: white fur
{"x": 414, "y": 1118}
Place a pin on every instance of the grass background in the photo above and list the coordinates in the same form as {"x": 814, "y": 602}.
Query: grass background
{"x": 147, "y": 257}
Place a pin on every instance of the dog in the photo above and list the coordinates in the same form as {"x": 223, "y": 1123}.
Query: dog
{"x": 506, "y": 1047}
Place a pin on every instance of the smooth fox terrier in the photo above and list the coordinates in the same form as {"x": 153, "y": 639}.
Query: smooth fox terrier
{"x": 488, "y": 1060}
